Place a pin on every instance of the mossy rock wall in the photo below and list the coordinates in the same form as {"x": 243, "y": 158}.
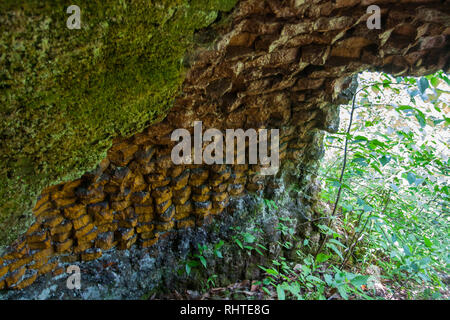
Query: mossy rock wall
{"x": 65, "y": 94}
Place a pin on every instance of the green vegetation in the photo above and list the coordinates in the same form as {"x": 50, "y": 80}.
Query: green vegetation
{"x": 384, "y": 226}
{"x": 392, "y": 211}
{"x": 65, "y": 94}
{"x": 385, "y": 181}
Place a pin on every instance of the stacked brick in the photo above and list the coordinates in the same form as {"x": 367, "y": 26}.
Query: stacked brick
{"x": 279, "y": 65}
{"x": 134, "y": 197}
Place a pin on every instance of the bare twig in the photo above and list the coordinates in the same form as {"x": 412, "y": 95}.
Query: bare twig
{"x": 341, "y": 178}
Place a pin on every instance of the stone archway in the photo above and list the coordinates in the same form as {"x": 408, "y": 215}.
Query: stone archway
{"x": 273, "y": 65}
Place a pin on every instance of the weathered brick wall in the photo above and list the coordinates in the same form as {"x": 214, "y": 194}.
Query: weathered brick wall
{"x": 281, "y": 66}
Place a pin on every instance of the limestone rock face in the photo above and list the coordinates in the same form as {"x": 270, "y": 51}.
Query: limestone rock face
{"x": 65, "y": 94}
{"x": 275, "y": 65}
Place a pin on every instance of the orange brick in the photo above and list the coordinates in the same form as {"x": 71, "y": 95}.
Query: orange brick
{"x": 19, "y": 263}
{"x": 53, "y": 222}
{"x": 75, "y": 211}
{"x": 33, "y": 228}
{"x": 103, "y": 217}
{"x": 181, "y": 181}
{"x": 187, "y": 223}
{"x": 143, "y": 209}
{"x": 147, "y": 235}
{"x": 37, "y": 237}
{"x": 41, "y": 254}
{"x": 80, "y": 222}
{"x": 128, "y": 223}
{"x": 183, "y": 210}
{"x": 49, "y": 267}
{"x": 124, "y": 245}
{"x": 161, "y": 195}
{"x": 43, "y": 208}
{"x": 140, "y": 197}
{"x": 220, "y": 196}
{"x": 36, "y": 265}
{"x": 146, "y": 218}
{"x": 120, "y": 205}
{"x": 105, "y": 241}
{"x": 160, "y": 209}
{"x": 26, "y": 282}
{"x": 91, "y": 254}
{"x": 41, "y": 200}
{"x": 15, "y": 276}
{"x": 83, "y": 231}
{"x": 107, "y": 227}
{"x": 64, "y": 202}
{"x": 64, "y": 246}
{"x": 182, "y": 196}
{"x": 4, "y": 270}
{"x": 58, "y": 271}
{"x": 40, "y": 245}
{"x": 88, "y": 237}
{"x": 165, "y": 226}
{"x": 145, "y": 227}
{"x": 148, "y": 243}
{"x": 70, "y": 258}
{"x": 125, "y": 234}
{"x": 64, "y": 227}
{"x": 61, "y": 237}
{"x": 200, "y": 198}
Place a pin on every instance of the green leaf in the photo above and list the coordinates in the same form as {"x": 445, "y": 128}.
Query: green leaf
{"x": 423, "y": 84}
{"x": 361, "y": 161}
{"x": 322, "y": 257}
{"x": 219, "y": 244}
{"x": 261, "y": 246}
{"x": 203, "y": 261}
{"x": 411, "y": 177}
{"x": 360, "y": 280}
{"x": 249, "y": 238}
{"x": 266, "y": 291}
{"x": 337, "y": 242}
{"x": 373, "y": 165}
{"x": 343, "y": 291}
{"x": 328, "y": 279}
{"x": 358, "y": 139}
{"x": 421, "y": 118}
{"x": 406, "y": 250}
{"x": 333, "y": 247}
{"x": 280, "y": 292}
{"x": 239, "y": 243}
{"x": 188, "y": 269}
{"x": 272, "y": 272}
{"x": 259, "y": 251}
{"x": 434, "y": 81}
{"x": 384, "y": 160}
{"x": 428, "y": 242}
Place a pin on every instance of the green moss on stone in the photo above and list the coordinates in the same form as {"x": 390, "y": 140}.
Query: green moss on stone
{"x": 66, "y": 93}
